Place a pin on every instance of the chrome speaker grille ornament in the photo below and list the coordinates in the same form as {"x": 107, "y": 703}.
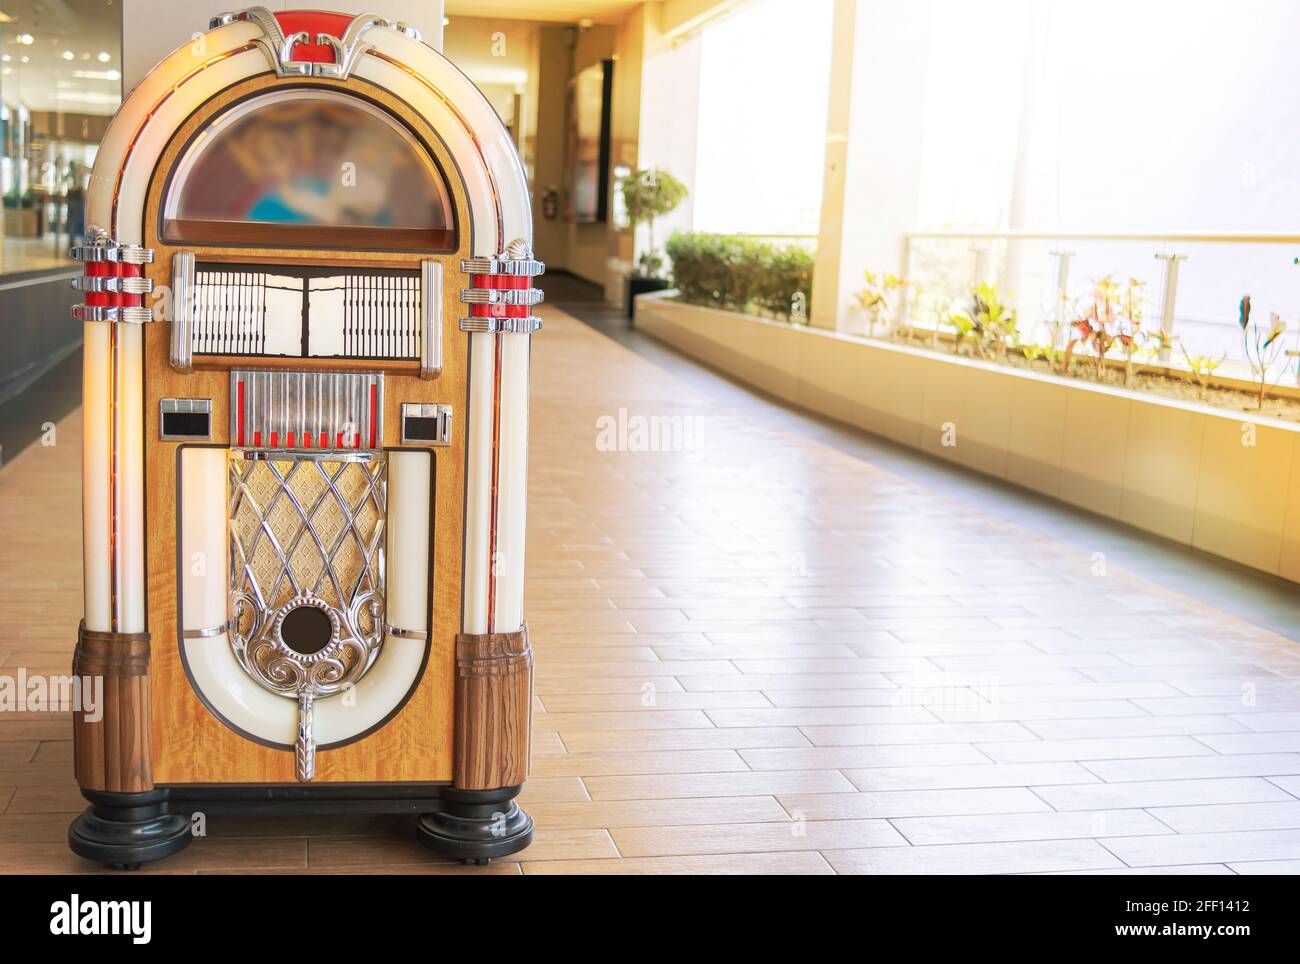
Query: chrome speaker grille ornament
{"x": 307, "y": 576}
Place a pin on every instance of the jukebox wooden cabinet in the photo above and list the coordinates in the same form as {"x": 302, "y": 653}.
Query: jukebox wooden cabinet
{"x": 308, "y": 304}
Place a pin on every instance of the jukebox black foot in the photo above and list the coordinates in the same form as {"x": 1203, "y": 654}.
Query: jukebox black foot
{"x": 474, "y": 826}
{"x": 125, "y": 830}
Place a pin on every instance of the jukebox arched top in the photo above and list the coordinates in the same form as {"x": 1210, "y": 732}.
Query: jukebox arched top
{"x": 324, "y": 50}
{"x": 310, "y": 167}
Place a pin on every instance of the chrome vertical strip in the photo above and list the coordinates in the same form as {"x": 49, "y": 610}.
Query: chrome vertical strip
{"x": 182, "y": 345}
{"x": 431, "y": 337}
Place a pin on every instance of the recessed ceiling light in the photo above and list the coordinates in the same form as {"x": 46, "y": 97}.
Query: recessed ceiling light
{"x": 26, "y": 39}
{"x": 24, "y": 59}
{"x": 113, "y": 74}
{"x": 104, "y": 57}
{"x": 6, "y": 58}
{"x": 68, "y": 55}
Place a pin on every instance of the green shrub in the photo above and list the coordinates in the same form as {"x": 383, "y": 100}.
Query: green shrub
{"x": 741, "y": 274}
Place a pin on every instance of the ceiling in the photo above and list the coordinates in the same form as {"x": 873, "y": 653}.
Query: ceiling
{"x": 555, "y": 11}
{"x": 61, "y": 55}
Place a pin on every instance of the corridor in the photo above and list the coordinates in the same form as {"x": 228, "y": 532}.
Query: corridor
{"x": 757, "y": 653}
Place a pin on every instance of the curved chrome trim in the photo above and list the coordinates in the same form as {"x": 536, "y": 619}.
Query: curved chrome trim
{"x": 210, "y": 631}
{"x": 125, "y": 157}
{"x": 273, "y": 42}
{"x": 464, "y": 122}
{"x": 124, "y": 285}
{"x": 501, "y": 296}
{"x": 349, "y": 48}
{"x": 510, "y": 326}
{"x": 405, "y": 633}
{"x": 113, "y": 313}
{"x": 279, "y": 47}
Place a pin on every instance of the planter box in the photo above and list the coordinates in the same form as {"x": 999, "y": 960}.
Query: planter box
{"x": 1227, "y": 483}
{"x": 637, "y": 285}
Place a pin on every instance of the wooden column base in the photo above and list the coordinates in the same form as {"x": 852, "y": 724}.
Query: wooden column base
{"x": 494, "y": 703}
{"x": 111, "y": 745}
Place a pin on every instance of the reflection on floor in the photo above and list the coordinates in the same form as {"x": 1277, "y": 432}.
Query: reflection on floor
{"x": 1263, "y": 599}
{"x": 759, "y": 652}
{"x": 25, "y": 418}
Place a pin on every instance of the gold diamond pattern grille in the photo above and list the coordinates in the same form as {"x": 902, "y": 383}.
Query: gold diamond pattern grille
{"x": 302, "y": 527}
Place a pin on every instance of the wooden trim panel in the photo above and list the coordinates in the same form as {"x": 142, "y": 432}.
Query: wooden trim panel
{"x": 113, "y": 751}
{"x": 262, "y": 235}
{"x": 494, "y": 703}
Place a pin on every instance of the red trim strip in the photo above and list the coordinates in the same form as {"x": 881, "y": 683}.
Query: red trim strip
{"x": 374, "y": 414}
{"x": 240, "y": 437}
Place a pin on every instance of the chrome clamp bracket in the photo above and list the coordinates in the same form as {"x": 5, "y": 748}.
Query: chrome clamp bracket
{"x": 505, "y": 326}
{"x": 503, "y": 264}
{"x": 516, "y": 261}
{"x": 501, "y": 296}
{"x": 123, "y": 314}
{"x": 116, "y": 285}
{"x": 99, "y": 248}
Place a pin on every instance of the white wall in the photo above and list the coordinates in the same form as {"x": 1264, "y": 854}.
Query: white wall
{"x": 873, "y": 149}
{"x": 670, "y": 105}
{"x": 1160, "y": 115}
{"x": 763, "y": 85}
{"x": 145, "y": 43}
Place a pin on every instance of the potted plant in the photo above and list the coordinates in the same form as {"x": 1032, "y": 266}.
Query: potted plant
{"x": 648, "y": 194}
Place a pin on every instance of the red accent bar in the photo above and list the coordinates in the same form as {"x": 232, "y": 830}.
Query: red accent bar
{"x": 288, "y": 442}
{"x": 500, "y": 282}
{"x": 374, "y": 414}
{"x": 324, "y": 440}
{"x": 239, "y": 440}
{"x": 257, "y": 440}
{"x": 130, "y": 271}
{"x": 275, "y": 442}
{"x": 313, "y": 22}
{"x": 96, "y": 269}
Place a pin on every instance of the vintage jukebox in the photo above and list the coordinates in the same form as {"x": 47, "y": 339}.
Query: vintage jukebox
{"x": 307, "y": 308}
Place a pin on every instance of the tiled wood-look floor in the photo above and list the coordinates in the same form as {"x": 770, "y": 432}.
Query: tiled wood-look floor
{"x": 762, "y": 655}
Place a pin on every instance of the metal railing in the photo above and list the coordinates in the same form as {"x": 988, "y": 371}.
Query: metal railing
{"x": 1169, "y": 291}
